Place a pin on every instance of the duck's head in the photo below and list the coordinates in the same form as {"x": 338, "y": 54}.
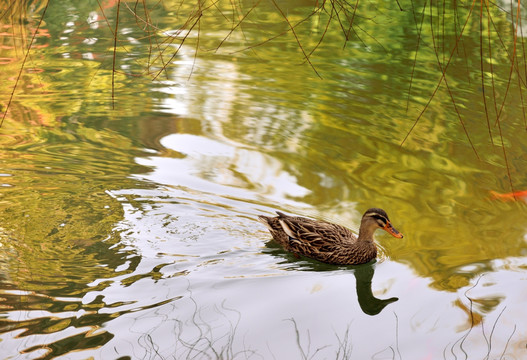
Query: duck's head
{"x": 375, "y": 218}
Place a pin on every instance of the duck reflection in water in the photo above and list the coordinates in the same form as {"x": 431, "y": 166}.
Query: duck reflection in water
{"x": 369, "y": 304}
{"x": 363, "y": 273}
{"x": 334, "y": 244}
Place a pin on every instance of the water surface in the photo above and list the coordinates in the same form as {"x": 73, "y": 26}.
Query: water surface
{"x": 129, "y": 224}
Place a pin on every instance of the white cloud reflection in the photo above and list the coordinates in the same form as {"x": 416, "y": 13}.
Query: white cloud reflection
{"x": 222, "y": 168}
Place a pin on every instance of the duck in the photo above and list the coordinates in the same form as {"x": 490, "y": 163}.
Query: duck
{"x": 327, "y": 242}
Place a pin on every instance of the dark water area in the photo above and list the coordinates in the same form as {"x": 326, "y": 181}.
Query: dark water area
{"x": 129, "y": 221}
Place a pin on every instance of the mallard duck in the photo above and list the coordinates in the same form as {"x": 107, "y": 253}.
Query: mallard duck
{"x": 327, "y": 242}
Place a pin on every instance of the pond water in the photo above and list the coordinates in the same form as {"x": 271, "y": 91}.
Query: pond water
{"x": 129, "y": 215}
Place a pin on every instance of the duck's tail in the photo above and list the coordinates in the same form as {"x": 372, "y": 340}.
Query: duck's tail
{"x": 266, "y": 220}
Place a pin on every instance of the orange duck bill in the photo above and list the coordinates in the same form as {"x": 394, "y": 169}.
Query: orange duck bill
{"x": 392, "y": 231}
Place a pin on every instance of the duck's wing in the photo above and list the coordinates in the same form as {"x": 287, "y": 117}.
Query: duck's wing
{"x": 320, "y": 240}
{"x": 317, "y": 234}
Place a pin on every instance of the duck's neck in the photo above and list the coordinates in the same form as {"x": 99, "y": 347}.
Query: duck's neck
{"x": 366, "y": 231}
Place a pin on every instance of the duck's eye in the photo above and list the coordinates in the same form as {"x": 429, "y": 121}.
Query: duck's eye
{"x": 381, "y": 220}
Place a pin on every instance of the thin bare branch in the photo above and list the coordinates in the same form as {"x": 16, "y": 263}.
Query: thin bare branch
{"x": 482, "y": 72}
{"x": 418, "y": 31}
{"x": 291, "y": 27}
{"x": 238, "y": 24}
{"x": 115, "y": 52}
{"x": 24, "y": 63}
{"x": 440, "y": 81}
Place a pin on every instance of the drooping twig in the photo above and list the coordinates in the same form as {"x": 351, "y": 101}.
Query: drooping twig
{"x": 324, "y": 32}
{"x": 200, "y": 11}
{"x": 419, "y": 31}
{"x": 237, "y": 24}
{"x": 443, "y": 74}
{"x": 492, "y": 332}
{"x": 397, "y": 336}
{"x": 7, "y": 10}
{"x": 498, "y": 122}
{"x": 23, "y": 63}
{"x": 482, "y": 72}
{"x": 291, "y": 27}
{"x": 472, "y": 322}
{"x": 115, "y": 52}
{"x": 305, "y": 356}
{"x": 444, "y": 78}
{"x": 352, "y": 20}
{"x": 513, "y": 62}
{"x": 508, "y": 341}
{"x": 200, "y": 14}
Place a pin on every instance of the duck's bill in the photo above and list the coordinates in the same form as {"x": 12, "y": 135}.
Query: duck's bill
{"x": 392, "y": 231}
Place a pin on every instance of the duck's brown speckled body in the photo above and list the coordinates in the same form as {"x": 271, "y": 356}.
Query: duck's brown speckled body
{"x": 328, "y": 242}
